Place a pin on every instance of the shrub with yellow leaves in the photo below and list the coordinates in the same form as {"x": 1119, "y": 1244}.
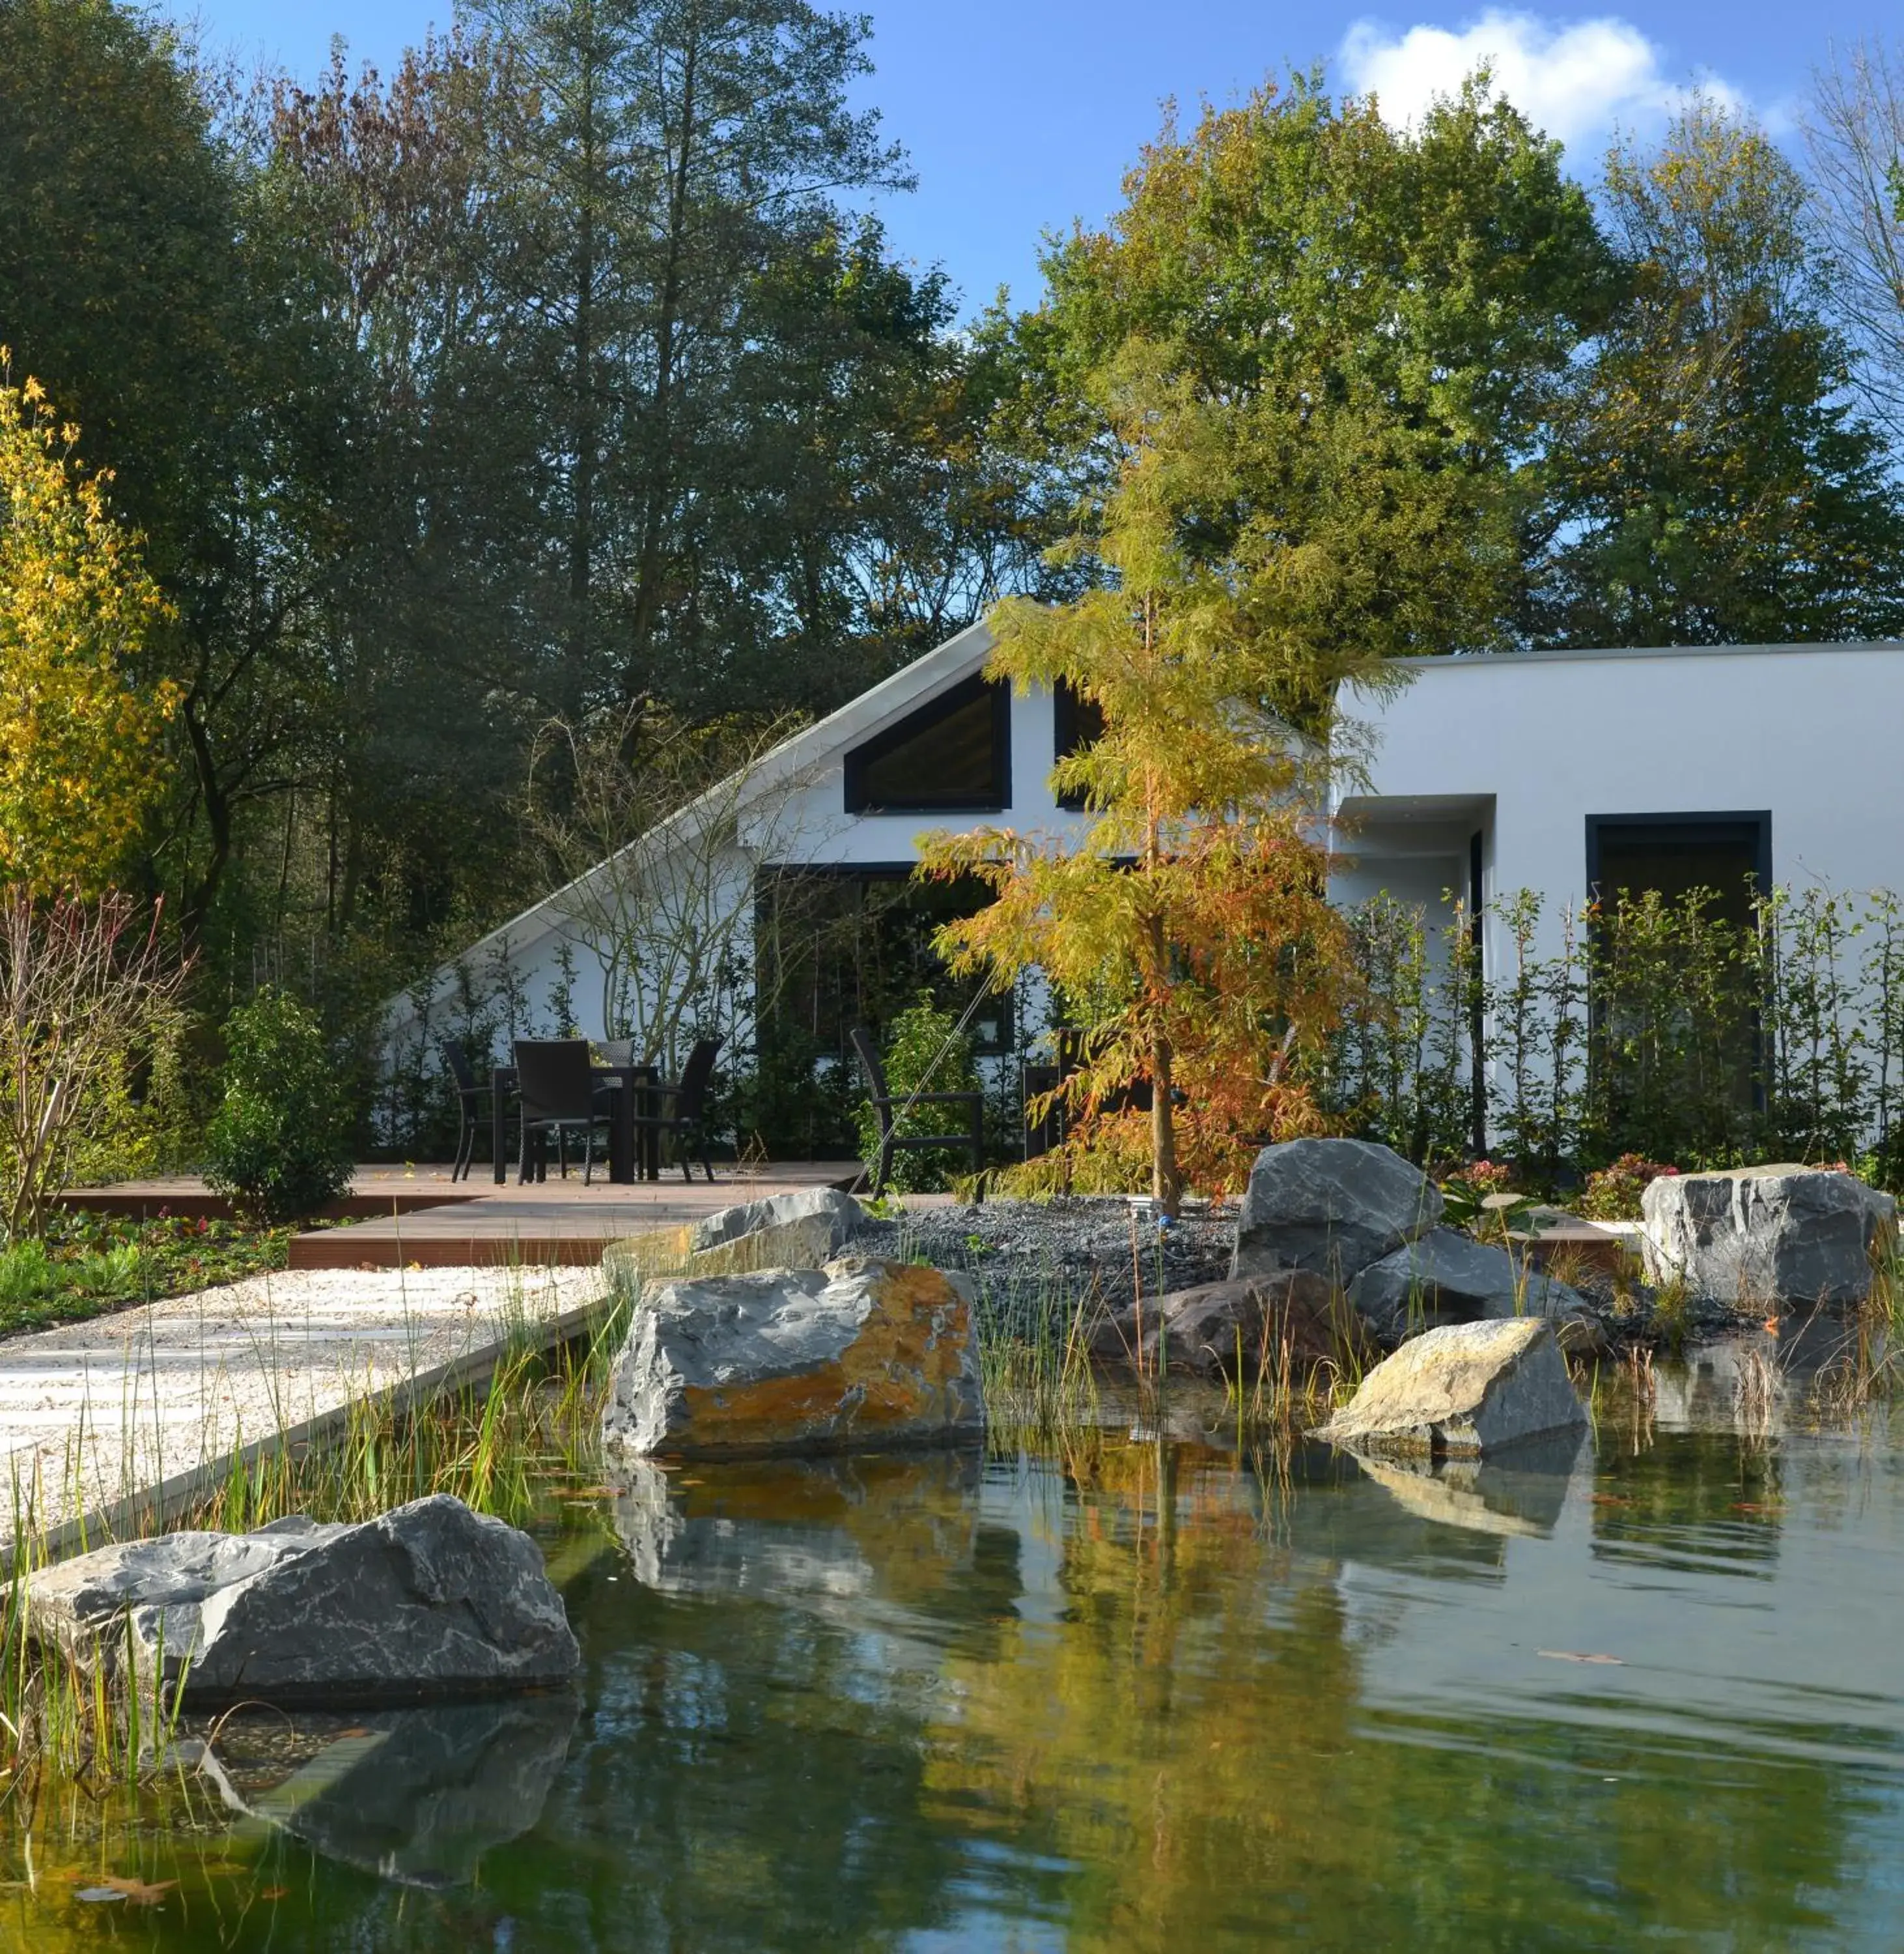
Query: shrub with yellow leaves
{"x": 81, "y": 721}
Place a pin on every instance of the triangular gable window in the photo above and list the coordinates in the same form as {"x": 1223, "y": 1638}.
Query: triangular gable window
{"x": 953, "y": 755}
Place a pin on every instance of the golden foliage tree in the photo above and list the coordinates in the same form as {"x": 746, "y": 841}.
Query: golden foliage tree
{"x": 79, "y": 733}
{"x": 1191, "y": 929}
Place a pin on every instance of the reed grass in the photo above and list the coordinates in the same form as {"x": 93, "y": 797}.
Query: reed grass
{"x": 90, "y": 1720}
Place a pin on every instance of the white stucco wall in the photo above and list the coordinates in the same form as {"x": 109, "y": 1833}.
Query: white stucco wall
{"x": 1538, "y": 741}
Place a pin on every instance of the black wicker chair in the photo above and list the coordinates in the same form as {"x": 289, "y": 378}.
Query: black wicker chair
{"x": 886, "y": 1110}
{"x": 558, "y": 1095}
{"x": 686, "y": 1122}
{"x": 473, "y": 1104}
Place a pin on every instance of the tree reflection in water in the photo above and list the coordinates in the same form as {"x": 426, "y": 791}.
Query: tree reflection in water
{"x": 1149, "y": 1695}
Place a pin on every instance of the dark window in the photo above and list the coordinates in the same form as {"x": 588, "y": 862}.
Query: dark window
{"x": 955, "y": 753}
{"x": 1672, "y": 854}
{"x": 838, "y": 947}
{"x": 1077, "y": 723}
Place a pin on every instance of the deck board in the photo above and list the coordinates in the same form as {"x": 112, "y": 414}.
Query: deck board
{"x": 551, "y": 1223}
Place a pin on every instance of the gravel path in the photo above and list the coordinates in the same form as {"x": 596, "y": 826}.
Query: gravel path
{"x": 93, "y": 1414}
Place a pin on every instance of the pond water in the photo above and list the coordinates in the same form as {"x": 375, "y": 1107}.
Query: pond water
{"x": 1146, "y": 1694}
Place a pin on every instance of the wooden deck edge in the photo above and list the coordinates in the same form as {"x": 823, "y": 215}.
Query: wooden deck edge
{"x": 199, "y": 1207}
{"x": 152, "y": 1509}
{"x": 342, "y": 1249}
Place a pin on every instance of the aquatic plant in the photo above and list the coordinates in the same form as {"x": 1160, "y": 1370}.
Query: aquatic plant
{"x": 491, "y": 1440}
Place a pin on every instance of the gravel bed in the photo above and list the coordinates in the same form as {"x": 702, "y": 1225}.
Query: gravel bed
{"x": 1036, "y": 1260}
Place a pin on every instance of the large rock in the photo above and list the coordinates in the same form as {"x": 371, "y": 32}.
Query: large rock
{"x": 1763, "y": 1236}
{"x": 1446, "y": 1277}
{"x": 860, "y": 1356}
{"x": 804, "y": 1229}
{"x": 1466, "y": 1388}
{"x": 1331, "y": 1206}
{"x": 801, "y": 1230}
{"x": 429, "y": 1601}
{"x": 1202, "y": 1329}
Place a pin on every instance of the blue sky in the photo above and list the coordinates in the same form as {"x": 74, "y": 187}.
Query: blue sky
{"x": 1021, "y": 114}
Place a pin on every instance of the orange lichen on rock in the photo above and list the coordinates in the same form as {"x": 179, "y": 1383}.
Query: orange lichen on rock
{"x": 859, "y": 1355}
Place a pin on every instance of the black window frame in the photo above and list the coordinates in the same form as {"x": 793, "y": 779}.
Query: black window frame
{"x": 997, "y": 796}
{"x": 1720, "y": 826}
{"x": 1068, "y": 737}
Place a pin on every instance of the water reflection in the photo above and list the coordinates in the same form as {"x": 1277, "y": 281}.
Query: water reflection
{"x": 419, "y": 1796}
{"x": 1148, "y": 1694}
{"x": 1519, "y": 1493}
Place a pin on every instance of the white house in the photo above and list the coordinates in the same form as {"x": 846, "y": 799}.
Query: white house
{"x": 1565, "y": 771}
{"x": 1548, "y": 771}
{"x": 936, "y": 745}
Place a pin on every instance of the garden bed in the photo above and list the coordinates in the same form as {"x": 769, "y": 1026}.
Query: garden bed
{"x": 88, "y": 1265}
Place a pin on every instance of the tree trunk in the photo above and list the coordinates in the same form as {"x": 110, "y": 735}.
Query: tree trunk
{"x": 660, "y": 442}
{"x": 1166, "y": 1184}
{"x": 218, "y": 817}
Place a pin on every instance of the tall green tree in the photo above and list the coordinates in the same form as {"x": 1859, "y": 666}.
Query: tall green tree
{"x": 684, "y": 156}
{"x": 1713, "y": 480}
{"x": 141, "y": 283}
{"x": 1406, "y": 303}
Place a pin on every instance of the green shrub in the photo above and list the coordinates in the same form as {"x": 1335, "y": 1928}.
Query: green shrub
{"x": 1614, "y": 1193}
{"x": 280, "y": 1146}
{"x": 915, "y": 1039}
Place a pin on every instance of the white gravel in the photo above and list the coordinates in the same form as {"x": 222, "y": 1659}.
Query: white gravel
{"x": 94, "y": 1413}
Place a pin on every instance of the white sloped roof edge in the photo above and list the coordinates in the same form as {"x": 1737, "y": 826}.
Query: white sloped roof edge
{"x": 814, "y": 746}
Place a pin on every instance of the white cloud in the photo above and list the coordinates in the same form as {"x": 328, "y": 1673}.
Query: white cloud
{"x": 1574, "y": 81}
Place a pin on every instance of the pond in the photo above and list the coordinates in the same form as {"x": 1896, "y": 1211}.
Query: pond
{"x": 1130, "y": 1692}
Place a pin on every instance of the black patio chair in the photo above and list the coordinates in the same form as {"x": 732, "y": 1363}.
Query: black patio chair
{"x": 686, "y": 1120}
{"x": 886, "y": 1110}
{"x": 473, "y": 1104}
{"x": 558, "y": 1095}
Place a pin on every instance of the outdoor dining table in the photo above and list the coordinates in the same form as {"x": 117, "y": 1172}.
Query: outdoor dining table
{"x": 632, "y": 1083}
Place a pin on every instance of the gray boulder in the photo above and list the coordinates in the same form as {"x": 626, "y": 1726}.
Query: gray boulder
{"x": 804, "y": 1229}
{"x": 1763, "y": 1235}
{"x": 825, "y": 1214}
{"x": 1202, "y": 1329}
{"x": 1447, "y": 1277}
{"x": 1331, "y": 1206}
{"x": 1467, "y": 1388}
{"x": 860, "y": 1356}
{"x": 431, "y": 1601}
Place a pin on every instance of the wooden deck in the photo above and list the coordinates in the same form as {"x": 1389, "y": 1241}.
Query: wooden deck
{"x": 405, "y": 1217}
{"x": 548, "y": 1223}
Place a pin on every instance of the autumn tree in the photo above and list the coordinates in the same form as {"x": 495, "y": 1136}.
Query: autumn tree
{"x": 1192, "y": 918}
{"x": 81, "y": 718}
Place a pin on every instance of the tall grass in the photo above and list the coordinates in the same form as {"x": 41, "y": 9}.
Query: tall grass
{"x": 92, "y": 1719}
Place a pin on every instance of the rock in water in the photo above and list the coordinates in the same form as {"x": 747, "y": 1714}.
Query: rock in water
{"x": 859, "y": 1356}
{"x": 1331, "y": 1206}
{"x": 1766, "y": 1235}
{"x": 430, "y": 1600}
{"x": 1467, "y": 1388}
{"x": 804, "y": 1229}
{"x": 1446, "y": 1277}
{"x": 1204, "y": 1330}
